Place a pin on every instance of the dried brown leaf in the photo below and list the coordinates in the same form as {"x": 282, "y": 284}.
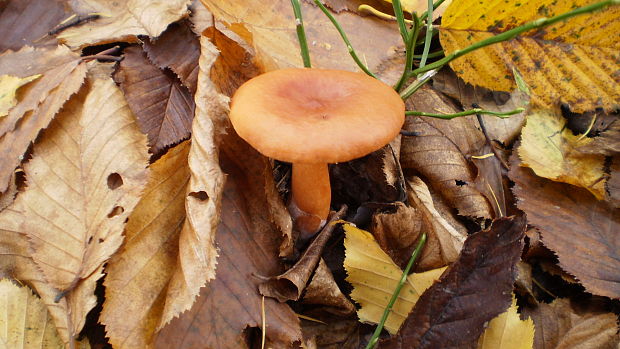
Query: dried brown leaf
{"x": 122, "y": 20}
{"x": 28, "y": 22}
{"x": 334, "y": 334}
{"x": 612, "y": 185}
{"x": 439, "y": 153}
{"x": 163, "y": 107}
{"x": 580, "y": 229}
{"x": 476, "y": 288}
{"x": 559, "y": 325}
{"x": 323, "y": 290}
{"x": 607, "y": 143}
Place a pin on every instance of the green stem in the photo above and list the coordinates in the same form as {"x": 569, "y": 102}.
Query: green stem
{"x": 400, "y": 19}
{"x": 403, "y": 278}
{"x": 301, "y": 33}
{"x": 467, "y": 112}
{"x": 344, "y": 38}
{"x": 430, "y": 55}
{"x": 435, "y": 6}
{"x": 511, "y": 34}
{"x": 409, "y": 50}
{"x": 429, "y": 33}
{"x": 411, "y": 89}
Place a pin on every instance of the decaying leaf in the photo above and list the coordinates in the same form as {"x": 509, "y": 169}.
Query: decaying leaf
{"x": 508, "y": 331}
{"x": 62, "y": 75}
{"x": 84, "y": 179}
{"x": 374, "y": 277}
{"x": 338, "y": 334}
{"x": 607, "y": 143}
{"x": 163, "y": 107}
{"x": 473, "y": 290}
{"x": 439, "y": 153}
{"x": 550, "y": 149}
{"x": 8, "y": 88}
{"x": 28, "y": 22}
{"x": 24, "y": 319}
{"x": 559, "y": 325}
{"x": 571, "y": 61}
{"x": 323, "y": 291}
{"x": 122, "y": 20}
{"x": 580, "y": 229}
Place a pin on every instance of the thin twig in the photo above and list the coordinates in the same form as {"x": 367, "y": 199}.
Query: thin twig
{"x": 429, "y": 34}
{"x": 466, "y": 112}
{"x": 400, "y": 19}
{"x": 409, "y": 50}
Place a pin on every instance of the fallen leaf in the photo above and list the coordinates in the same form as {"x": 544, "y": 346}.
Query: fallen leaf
{"x": 550, "y": 149}
{"x": 62, "y": 75}
{"x": 573, "y": 224}
{"x": 84, "y": 179}
{"x": 338, "y": 334}
{"x": 138, "y": 275}
{"x": 558, "y": 325}
{"x": 473, "y": 290}
{"x": 178, "y": 48}
{"x": 323, "y": 291}
{"x": 28, "y": 22}
{"x": 121, "y": 20}
{"x": 163, "y": 107}
{"x": 612, "y": 185}
{"x": 374, "y": 277}
{"x": 439, "y": 153}
{"x": 24, "y": 319}
{"x": 551, "y": 60}
{"x": 607, "y": 143}
{"x": 8, "y": 88}
{"x": 508, "y": 331}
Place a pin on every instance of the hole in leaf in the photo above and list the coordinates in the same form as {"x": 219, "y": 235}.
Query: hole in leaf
{"x": 116, "y": 211}
{"x": 101, "y": 240}
{"x": 460, "y": 183}
{"x": 114, "y": 181}
{"x": 200, "y": 195}
{"x": 90, "y": 239}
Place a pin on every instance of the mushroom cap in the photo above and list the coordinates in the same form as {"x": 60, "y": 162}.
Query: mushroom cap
{"x": 308, "y": 115}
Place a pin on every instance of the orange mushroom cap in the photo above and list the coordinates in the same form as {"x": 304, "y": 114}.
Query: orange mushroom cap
{"x": 308, "y": 115}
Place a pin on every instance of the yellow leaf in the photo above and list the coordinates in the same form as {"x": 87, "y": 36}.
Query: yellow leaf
{"x": 8, "y": 88}
{"x": 550, "y": 149}
{"x": 508, "y": 331}
{"x": 574, "y": 61}
{"x": 24, "y": 319}
{"x": 374, "y": 277}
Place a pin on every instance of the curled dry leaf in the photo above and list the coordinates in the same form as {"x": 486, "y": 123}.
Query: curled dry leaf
{"x": 439, "y": 153}
{"x": 473, "y": 290}
{"x": 24, "y": 319}
{"x": 323, "y": 291}
{"x": 270, "y": 28}
{"x": 163, "y": 107}
{"x": 580, "y": 229}
{"x": 374, "y": 277}
{"x": 62, "y": 75}
{"x": 84, "y": 179}
{"x": 559, "y": 325}
{"x": 121, "y": 20}
{"x": 508, "y": 331}
{"x": 28, "y": 22}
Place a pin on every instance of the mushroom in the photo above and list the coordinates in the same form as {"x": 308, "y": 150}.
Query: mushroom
{"x": 311, "y": 118}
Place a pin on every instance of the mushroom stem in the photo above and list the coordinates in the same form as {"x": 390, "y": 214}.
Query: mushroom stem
{"x": 311, "y": 197}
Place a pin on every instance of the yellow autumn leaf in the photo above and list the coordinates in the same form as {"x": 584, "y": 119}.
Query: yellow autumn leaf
{"x": 508, "y": 331}
{"x": 574, "y": 61}
{"x": 374, "y": 277}
{"x": 24, "y": 320}
{"x": 8, "y": 88}
{"x": 550, "y": 149}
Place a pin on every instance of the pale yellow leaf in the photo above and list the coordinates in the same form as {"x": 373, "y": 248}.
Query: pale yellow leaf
{"x": 122, "y": 20}
{"x": 573, "y": 61}
{"x": 24, "y": 320}
{"x": 137, "y": 276}
{"x": 84, "y": 179}
{"x": 374, "y": 277}
{"x": 508, "y": 331}
{"x": 8, "y": 88}
{"x": 550, "y": 149}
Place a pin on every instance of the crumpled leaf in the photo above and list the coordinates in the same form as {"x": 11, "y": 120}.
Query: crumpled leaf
{"x": 582, "y": 231}
{"x": 163, "y": 107}
{"x": 508, "y": 331}
{"x": 28, "y": 22}
{"x": 8, "y": 88}
{"x": 323, "y": 291}
{"x": 374, "y": 277}
{"x": 559, "y": 325}
{"x": 62, "y": 73}
{"x": 84, "y": 179}
{"x": 24, "y": 319}
{"x": 473, "y": 290}
{"x": 439, "y": 153}
{"x": 571, "y": 61}
{"x": 550, "y": 149}
{"x": 122, "y": 20}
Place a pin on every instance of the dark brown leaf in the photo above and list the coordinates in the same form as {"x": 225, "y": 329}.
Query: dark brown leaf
{"x": 476, "y": 288}
{"x": 28, "y": 22}
{"x": 164, "y": 108}
{"x": 607, "y": 143}
{"x": 177, "y": 48}
{"x": 580, "y": 229}
{"x": 334, "y": 334}
{"x": 612, "y": 186}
